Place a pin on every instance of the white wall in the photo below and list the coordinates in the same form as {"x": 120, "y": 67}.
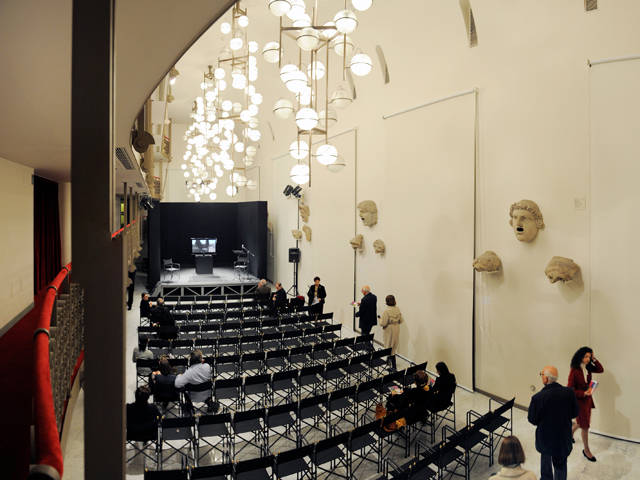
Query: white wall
{"x": 64, "y": 204}
{"x": 16, "y": 240}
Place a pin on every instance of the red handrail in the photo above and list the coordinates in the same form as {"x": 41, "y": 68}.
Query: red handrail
{"x": 47, "y": 437}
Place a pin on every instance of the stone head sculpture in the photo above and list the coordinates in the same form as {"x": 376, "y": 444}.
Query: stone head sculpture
{"x": 304, "y": 212}
{"x": 526, "y": 220}
{"x": 487, "y": 262}
{"x": 368, "y": 212}
{"x": 297, "y": 234}
{"x": 356, "y": 242}
{"x": 307, "y": 232}
{"x": 561, "y": 269}
{"x": 378, "y": 247}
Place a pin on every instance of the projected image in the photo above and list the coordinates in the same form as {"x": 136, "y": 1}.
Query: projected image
{"x": 203, "y": 245}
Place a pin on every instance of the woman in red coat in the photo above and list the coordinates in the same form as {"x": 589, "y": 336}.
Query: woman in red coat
{"x": 583, "y": 364}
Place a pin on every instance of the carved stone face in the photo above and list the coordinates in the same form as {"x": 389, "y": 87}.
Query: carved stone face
{"x": 368, "y": 212}
{"x": 307, "y": 232}
{"x": 487, "y": 262}
{"x": 378, "y": 246}
{"x": 297, "y": 234}
{"x": 304, "y": 212}
{"x": 561, "y": 269}
{"x": 356, "y": 242}
{"x": 526, "y": 220}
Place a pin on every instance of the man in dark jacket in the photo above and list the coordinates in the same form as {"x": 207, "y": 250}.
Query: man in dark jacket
{"x": 368, "y": 311}
{"x": 161, "y": 316}
{"x": 280, "y": 297}
{"x": 551, "y": 410}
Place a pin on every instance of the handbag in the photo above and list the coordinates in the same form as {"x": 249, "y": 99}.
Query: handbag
{"x": 381, "y": 412}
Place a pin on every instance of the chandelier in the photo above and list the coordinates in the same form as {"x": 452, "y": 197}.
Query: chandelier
{"x": 309, "y": 82}
{"x": 223, "y": 124}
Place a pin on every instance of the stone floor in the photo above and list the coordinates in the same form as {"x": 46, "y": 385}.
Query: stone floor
{"x": 616, "y": 459}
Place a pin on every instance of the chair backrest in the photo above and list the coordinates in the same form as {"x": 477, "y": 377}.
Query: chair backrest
{"x": 227, "y": 382}
{"x": 285, "y": 375}
{"x": 211, "y": 471}
{"x": 364, "y": 338}
{"x": 364, "y": 358}
{"x": 214, "y": 419}
{"x": 342, "y": 393}
{"x": 504, "y": 407}
{"x": 248, "y": 415}
{"x": 363, "y": 430}
{"x": 289, "y": 455}
{"x": 252, "y": 357}
{"x": 312, "y": 401}
{"x": 343, "y": 364}
{"x": 258, "y": 379}
{"x": 381, "y": 353}
{"x": 282, "y": 408}
{"x": 345, "y": 342}
{"x": 259, "y": 463}
{"x": 314, "y": 370}
{"x": 166, "y": 474}
{"x": 327, "y": 443}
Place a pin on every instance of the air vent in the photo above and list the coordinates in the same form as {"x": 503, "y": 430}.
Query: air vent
{"x": 139, "y": 185}
{"x": 383, "y": 64}
{"x": 473, "y": 34}
{"x": 159, "y": 128}
{"x": 590, "y": 5}
{"x": 123, "y": 157}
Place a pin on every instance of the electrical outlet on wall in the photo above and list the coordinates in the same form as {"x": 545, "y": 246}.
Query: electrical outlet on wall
{"x": 580, "y": 203}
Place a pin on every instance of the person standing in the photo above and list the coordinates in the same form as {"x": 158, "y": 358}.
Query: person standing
{"x": 583, "y": 364}
{"x": 551, "y": 410}
{"x": 145, "y": 306}
{"x": 367, "y": 311}
{"x": 316, "y": 294}
{"x": 390, "y": 323}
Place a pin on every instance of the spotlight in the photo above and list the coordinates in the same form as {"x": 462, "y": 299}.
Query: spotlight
{"x": 287, "y": 190}
{"x": 146, "y": 203}
{"x": 296, "y": 191}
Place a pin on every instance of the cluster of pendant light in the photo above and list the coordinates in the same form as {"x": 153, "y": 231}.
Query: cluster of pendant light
{"x": 302, "y": 82}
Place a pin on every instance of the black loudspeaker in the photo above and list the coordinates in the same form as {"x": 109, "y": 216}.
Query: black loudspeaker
{"x": 294, "y": 255}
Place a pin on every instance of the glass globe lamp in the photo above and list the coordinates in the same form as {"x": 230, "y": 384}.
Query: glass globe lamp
{"x": 252, "y": 184}
{"x": 346, "y": 21}
{"x": 327, "y": 121}
{"x": 341, "y": 45}
{"x": 360, "y": 64}
{"x": 232, "y": 190}
{"x": 254, "y": 123}
{"x": 279, "y": 7}
{"x": 296, "y": 81}
{"x": 302, "y": 22}
{"x": 299, "y": 149}
{"x": 337, "y": 166}
{"x": 327, "y": 154}
{"x": 361, "y": 5}
{"x": 242, "y": 181}
{"x": 272, "y": 52}
{"x": 225, "y": 28}
{"x": 306, "y": 119}
{"x": 305, "y": 96}
{"x": 236, "y": 43}
{"x": 253, "y": 46}
{"x": 251, "y": 151}
{"x": 255, "y": 135}
{"x": 341, "y": 98}
{"x": 283, "y": 109}
{"x": 316, "y": 70}
{"x": 219, "y": 73}
{"x": 245, "y": 115}
{"x": 286, "y": 71}
{"x": 298, "y": 9}
{"x": 239, "y": 147}
{"x": 256, "y": 99}
{"x": 248, "y": 161}
{"x": 308, "y": 38}
{"x": 329, "y": 32}
{"x": 213, "y": 196}
{"x": 243, "y": 21}
{"x": 300, "y": 174}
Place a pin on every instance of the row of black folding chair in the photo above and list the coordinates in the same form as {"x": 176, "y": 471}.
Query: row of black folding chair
{"x": 496, "y": 424}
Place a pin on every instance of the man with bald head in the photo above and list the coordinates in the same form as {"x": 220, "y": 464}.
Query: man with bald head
{"x": 552, "y": 410}
{"x": 368, "y": 311}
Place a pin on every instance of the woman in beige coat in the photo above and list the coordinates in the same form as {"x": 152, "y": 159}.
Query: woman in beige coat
{"x": 390, "y": 322}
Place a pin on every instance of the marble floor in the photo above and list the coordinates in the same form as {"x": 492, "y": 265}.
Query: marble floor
{"x": 616, "y": 459}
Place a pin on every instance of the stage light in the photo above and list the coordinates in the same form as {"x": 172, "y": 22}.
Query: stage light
{"x": 287, "y": 190}
{"x": 296, "y": 191}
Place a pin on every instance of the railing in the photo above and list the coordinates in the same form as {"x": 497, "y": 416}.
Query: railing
{"x": 57, "y": 355}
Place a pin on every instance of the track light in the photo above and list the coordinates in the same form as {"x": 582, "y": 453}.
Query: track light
{"x": 287, "y": 190}
{"x": 296, "y": 191}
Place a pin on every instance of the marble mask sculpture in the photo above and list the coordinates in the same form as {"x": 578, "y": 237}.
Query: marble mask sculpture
{"x": 304, "y": 212}
{"x": 307, "y": 232}
{"x": 526, "y": 220}
{"x": 487, "y": 262}
{"x": 297, "y": 234}
{"x": 378, "y": 247}
{"x": 356, "y": 242}
{"x": 368, "y": 212}
{"x": 561, "y": 269}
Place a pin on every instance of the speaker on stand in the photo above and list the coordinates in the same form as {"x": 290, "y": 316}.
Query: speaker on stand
{"x": 294, "y": 257}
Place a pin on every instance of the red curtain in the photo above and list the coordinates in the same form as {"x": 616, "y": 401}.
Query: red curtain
{"x": 46, "y": 232}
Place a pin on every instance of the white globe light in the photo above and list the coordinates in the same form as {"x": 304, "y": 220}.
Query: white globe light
{"x": 183, "y": 166}
{"x": 300, "y": 174}
{"x": 252, "y": 184}
{"x": 219, "y": 73}
{"x": 327, "y": 121}
{"x": 360, "y": 64}
{"x": 296, "y": 81}
{"x": 228, "y": 165}
{"x": 279, "y": 7}
{"x": 253, "y": 46}
{"x": 329, "y": 32}
{"x": 186, "y": 174}
{"x": 256, "y": 99}
{"x": 341, "y": 98}
{"x": 218, "y": 173}
{"x": 192, "y": 191}
{"x": 251, "y": 151}
{"x": 302, "y": 21}
{"x": 250, "y": 90}
{"x": 213, "y": 196}
{"x": 253, "y": 110}
{"x": 232, "y": 190}
{"x": 233, "y": 177}
{"x": 283, "y": 109}
{"x": 239, "y": 147}
{"x": 316, "y": 70}
{"x": 236, "y": 43}
{"x": 361, "y": 5}
{"x": 338, "y": 166}
{"x": 225, "y": 145}
{"x": 346, "y": 21}
{"x": 245, "y": 115}
{"x": 225, "y": 28}
{"x": 305, "y": 96}
{"x": 237, "y": 107}
{"x": 254, "y": 122}
{"x": 299, "y": 149}
{"x": 227, "y": 105}
{"x": 306, "y": 118}
{"x": 287, "y": 71}
{"x": 255, "y": 135}
{"x": 298, "y": 9}
{"x": 243, "y": 21}
{"x": 272, "y": 52}
{"x": 225, "y": 53}
{"x": 308, "y": 38}
{"x": 242, "y": 181}
{"x": 222, "y": 85}
{"x": 326, "y": 154}
{"x": 341, "y": 45}
{"x": 248, "y": 161}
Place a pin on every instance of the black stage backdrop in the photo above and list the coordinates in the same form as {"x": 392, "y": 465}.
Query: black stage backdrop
{"x": 233, "y": 224}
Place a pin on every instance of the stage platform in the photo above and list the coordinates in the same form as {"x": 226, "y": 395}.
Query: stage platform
{"x": 223, "y": 280}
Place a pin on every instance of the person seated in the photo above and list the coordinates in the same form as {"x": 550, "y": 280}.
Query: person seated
{"x": 142, "y": 417}
{"x": 511, "y": 457}
{"x": 415, "y": 396}
{"x": 443, "y": 388}
{"x": 162, "y": 384}
{"x": 263, "y": 293}
{"x": 161, "y": 316}
{"x": 141, "y": 352}
{"x": 145, "y": 305}
{"x": 197, "y": 381}
{"x": 280, "y": 297}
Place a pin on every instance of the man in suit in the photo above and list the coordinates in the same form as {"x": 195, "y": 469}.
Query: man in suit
{"x": 280, "y": 297}
{"x": 552, "y": 410}
{"x": 368, "y": 311}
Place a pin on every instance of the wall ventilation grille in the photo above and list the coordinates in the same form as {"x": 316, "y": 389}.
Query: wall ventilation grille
{"x": 473, "y": 34}
{"x": 590, "y": 5}
{"x": 123, "y": 157}
{"x": 139, "y": 185}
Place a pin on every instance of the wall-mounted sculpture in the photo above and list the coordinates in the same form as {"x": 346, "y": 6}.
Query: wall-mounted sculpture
{"x": 526, "y": 220}
{"x": 297, "y": 234}
{"x": 307, "y": 232}
{"x": 561, "y": 269}
{"x": 270, "y": 226}
{"x": 487, "y": 262}
{"x": 304, "y": 212}
{"x": 356, "y": 242}
{"x": 368, "y": 212}
{"x": 378, "y": 247}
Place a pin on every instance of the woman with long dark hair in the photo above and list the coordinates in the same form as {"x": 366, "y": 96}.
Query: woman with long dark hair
{"x": 583, "y": 365}
{"x": 443, "y": 388}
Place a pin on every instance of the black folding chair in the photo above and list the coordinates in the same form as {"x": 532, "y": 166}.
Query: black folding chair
{"x": 452, "y": 456}
{"x": 330, "y": 456}
{"x": 252, "y": 363}
{"x": 359, "y": 367}
{"x": 329, "y": 332}
{"x": 377, "y": 362}
{"x": 226, "y": 365}
{"x": 312, "y": 416}
{"x": 146, "y": 439}
{"x": 294, "y": 462}
{"x": 228, "y": 391}
{"x": 282, "y": 425}
{"x": 300, "y": 356}
{"x": 248, "y": 428}
{"x": 364, "y": 444}
{"x": 255, "y": 391}
{"x": 339, "y": 407}
{"x": 271, "y": 340}
{"x": 365, "y": 398}
{"x": 343, "y": 347}
{"x": 250, "y": 343}
{"x": 222, "y": 471}
{"x": 282, "y": 387}
{"x": 178, "y": 434}
{"x": 277, "y": 359}
{"x": 364, "y": 343}
{"x": 182, "y": 474}
{"x": 501, "y": 424}
{"x": 320, "y": 353}
{"x": 309, "y": 381}
{"x": 213, "y": 432}
{"x": 335, "y": 374}
{"x": 254, "y": 469}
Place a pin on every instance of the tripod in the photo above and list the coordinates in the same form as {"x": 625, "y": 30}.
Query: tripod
{"x": 294, "y": 287}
